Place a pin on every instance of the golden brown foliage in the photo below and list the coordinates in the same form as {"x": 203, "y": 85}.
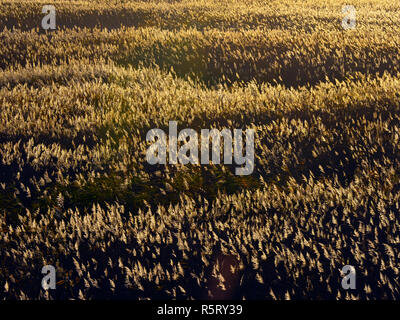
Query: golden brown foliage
{"x": 77, "y": 193}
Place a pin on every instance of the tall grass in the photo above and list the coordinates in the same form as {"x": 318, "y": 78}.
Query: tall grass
{"x": 76, "y": 191}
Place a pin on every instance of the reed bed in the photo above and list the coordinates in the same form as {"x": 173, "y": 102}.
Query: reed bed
{"x": 76, "y": 191}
